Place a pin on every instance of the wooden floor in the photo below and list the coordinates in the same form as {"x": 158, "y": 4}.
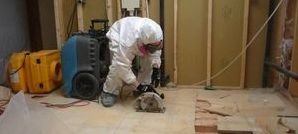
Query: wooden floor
{"x": 188, "y": 110}
{"x": 245, "y": 111}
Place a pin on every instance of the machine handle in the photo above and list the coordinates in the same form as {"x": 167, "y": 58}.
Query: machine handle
{"x": 104, "y": 21}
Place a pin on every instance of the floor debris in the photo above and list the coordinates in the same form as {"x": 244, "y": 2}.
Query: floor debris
{"x": 244, "y": 112}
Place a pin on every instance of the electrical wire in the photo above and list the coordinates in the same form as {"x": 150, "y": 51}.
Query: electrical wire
{"x": 78, "y": 103}
{"x": 19, "y": 68}
{"x": 71, "y": 20}
{"x": 245, "y": 49}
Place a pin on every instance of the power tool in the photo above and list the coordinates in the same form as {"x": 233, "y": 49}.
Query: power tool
{"x": 155, "y": 78}
{"x": 149, "y": 100}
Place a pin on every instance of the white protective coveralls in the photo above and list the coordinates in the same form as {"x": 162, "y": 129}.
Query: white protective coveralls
{"x": 127, "y": 36}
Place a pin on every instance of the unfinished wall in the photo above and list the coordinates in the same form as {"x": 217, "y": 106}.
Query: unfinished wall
{"x": 154, "y": 10}
{"x": 93, "y": 9}
{"x": 226, "y": 41}
{"x": 191, "y": 41}
{"x": 47, "y": 21}
{"x": 169, "y": 36}
{"x": 276, "y": 40}
{"x": 69, "y": 9}
{"x": 259, "y": 10}
{"x": 227, "y": 37}
{"x": 293, "y": 85}
{"x": 284, "y": 45}
{"x": 41, "y": 15}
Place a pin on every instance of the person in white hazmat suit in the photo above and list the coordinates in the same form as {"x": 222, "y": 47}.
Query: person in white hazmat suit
{"x": 130, "y": 37}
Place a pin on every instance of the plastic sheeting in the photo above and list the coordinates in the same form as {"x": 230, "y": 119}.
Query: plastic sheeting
{"x": 25, "y": 116}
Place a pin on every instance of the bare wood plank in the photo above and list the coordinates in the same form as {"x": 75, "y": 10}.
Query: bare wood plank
{"x": 236, "y": 125}
{"x": 109, "y": 9}
{"x": 119, "y": 14}
{"x": 217, "y": 111}
{"x": 147, "y": 8}
{"x": 191, "y": 41}
{"x": 293, "y": 87}
{"x": 80, "y": 16}
{"x": 209, "y": 42}
{"x": 276, "y": 40}
{"x": 59, "y": 23}
{"x": 256, "y": 53}
{"x": 190, "y": 86}
{"x": 144, "y": 8}
{"x": 226, "y": 87}
{"x": 227, "y": 13}
{"x": 244, "y": 43}
{"x": 175, "y": 41}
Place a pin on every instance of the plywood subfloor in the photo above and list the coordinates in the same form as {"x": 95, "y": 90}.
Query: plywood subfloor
{"x": 259, "y": 108}
{"x": 122, "y": 118}
{"x": 261, "y": 105}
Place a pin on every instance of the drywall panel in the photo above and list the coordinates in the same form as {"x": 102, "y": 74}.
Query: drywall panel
{"x": 227, "y": 40}
{"x": 259, "y": 10}
{"x": 94, "y": 9}
{"x": 191, "y": 41}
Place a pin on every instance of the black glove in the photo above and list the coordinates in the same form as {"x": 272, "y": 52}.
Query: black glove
{"x": 146, "y": 88}
{"x": 142, "y": 89}
{"x": 155, "y": 78}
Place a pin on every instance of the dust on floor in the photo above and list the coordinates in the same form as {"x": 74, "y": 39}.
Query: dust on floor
{"x": 123, "y": 119}
{"x": 254, "y": 110}
{"x": 261, "y": 106}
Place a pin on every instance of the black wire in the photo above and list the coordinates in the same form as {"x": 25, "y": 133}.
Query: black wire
{"x": 20, "y": 66}
{"x": 71, "y": 20}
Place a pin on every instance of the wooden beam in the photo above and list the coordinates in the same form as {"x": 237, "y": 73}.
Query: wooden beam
{"x": 144, "y": 8}
{"x": 209, "y": 42}
{"x": 293, "y": 86}
{"x": 58, "y": 9}
{"x": 175, "y": 41}
{"x": 80, "y": 16}
{"x": 226, "y": 87}
{"x": 119, "y": 14}
{"x": 244, "y": 43}
{"x": 147, "y": 8}
{"x": 276, "y": 40}
{"x": 109, "y": 9}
